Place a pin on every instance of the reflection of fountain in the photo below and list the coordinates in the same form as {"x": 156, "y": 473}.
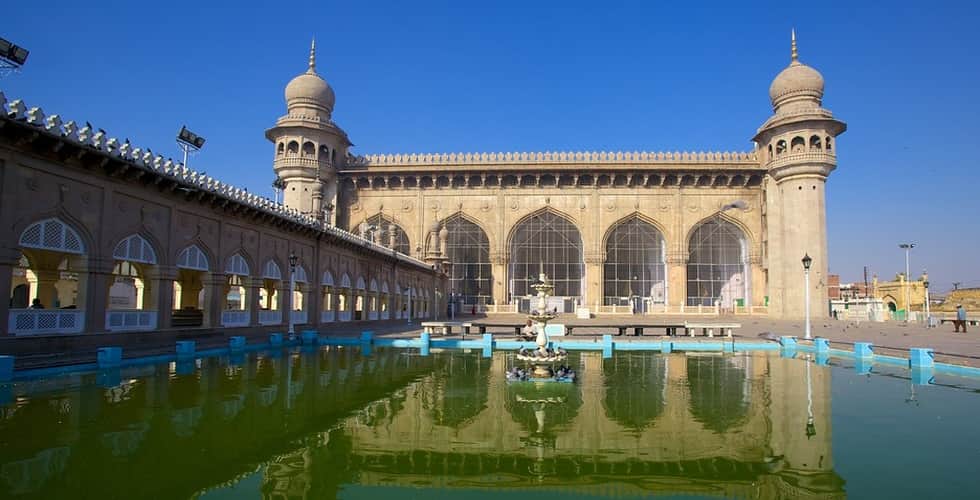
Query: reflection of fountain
{"x": 543, "y": 358}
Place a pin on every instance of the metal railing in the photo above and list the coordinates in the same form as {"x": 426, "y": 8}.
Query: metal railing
{"x": 130, "y": 320}
{"x": 42, "y": 321}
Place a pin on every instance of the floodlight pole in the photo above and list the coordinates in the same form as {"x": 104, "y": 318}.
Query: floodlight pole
{"x": 908, "y": 288}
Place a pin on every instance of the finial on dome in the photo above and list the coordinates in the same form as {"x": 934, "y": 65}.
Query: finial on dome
{"x": 793, "y": 53}
{"x": 313, "y": 57}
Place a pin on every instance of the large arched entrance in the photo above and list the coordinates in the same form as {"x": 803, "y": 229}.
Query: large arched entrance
{"x": 470, "y": 275}
{"x": 131, "y": 297}
{"x": 634, "y": 274}
{"x": 385, "y": 232}
{"x": 717, "y": 266}
{"x": 546, "y": 242}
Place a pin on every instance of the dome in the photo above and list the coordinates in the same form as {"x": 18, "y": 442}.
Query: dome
{"x": 797, "y": 78}
{"x": 796, "y": 81}
{"x": 309, "y": 90}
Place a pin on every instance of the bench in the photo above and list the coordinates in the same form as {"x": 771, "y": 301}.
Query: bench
{"x": 708, "y": 328}
{"x": 445, "y": 327}
{"x": 482, "y": 327}
{"x": 971, "y": 322}
{"x": 669, "y": 328}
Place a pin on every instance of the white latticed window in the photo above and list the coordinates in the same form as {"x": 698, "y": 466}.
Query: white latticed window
{"x": 237, "y": 265}
{"x": 192, "y": 257}
{"x": 52, "y": 234}
{"x": 468, "y": 249}
{"x": 327, "y": 278}
{"x": 135, "y": 249}
{"x": 300, "y": 275}
{"x": 271, "y": 271}
{"x": 360, "y": 283}
{"x": 634, "y": 263}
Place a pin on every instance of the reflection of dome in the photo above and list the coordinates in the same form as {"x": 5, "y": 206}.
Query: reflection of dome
{"x": 796, "y": 81}
{"x": 309, "y": 90}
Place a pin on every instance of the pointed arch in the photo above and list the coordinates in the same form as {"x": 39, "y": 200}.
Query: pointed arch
{"x": 550, "y": 241}
{"x": 345, "y": 281}
{"x": 360, "y": 283}
{"x": 135, "y": 248}
{"x": 718, "y": 265}
{"x": 384, "y": 287}
{"x": 300, "y": 274}
{"x": 237, "y": 265}
{"x": 327, "y": 278}
{"x": 389, "y": 228}
{"x": 635, "y": 269}
{"x": 194, "y": 258}
{"x": 373, "y": 286}
{"x": 53, "y": 234}
{"x": 271, "y": 270}
{"x": 468, "y": 249}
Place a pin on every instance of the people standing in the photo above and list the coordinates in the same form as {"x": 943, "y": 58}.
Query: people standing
{"x": 960, "y": 319}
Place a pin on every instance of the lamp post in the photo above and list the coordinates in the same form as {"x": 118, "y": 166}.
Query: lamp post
{"x": 925, "y": 283}
{"x": 806, "y": 295}
{"x": 908, "y": 289}
{"x": 292, "y": 287}
{"x": 188, "y": 142}
{"x": 811, "y": 429}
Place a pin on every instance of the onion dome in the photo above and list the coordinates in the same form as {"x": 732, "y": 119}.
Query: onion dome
{"x": 797, "y": 83}
{"x": 310, "y": 92}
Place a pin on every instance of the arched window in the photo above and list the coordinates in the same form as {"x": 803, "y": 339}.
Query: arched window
{"x": 192, "y": 257}
{"x": 324, "y": 154}
{"x": 827, "y": 142}
{"x": 770, "y": 151}
{"x": 53, "y": 235}
{"x": 798, "y": 144}
{"x": 135, "y": 248}
{"x": 815, "y": 142}
{"x": 634, "y": 264}
{"x": 271, "y": 271}
{"x": 309, "y": 149}
{"x": 468, "y": 249}
{"x": 780, "y": 147}
{"x": 381, "y": 229}
{"x": 292, "y": 148}
{"x": 716, "y": 266}
{"x": 237, "y": 265}
{"x": 550, "y": 243}
{"x": 281, "y": 149}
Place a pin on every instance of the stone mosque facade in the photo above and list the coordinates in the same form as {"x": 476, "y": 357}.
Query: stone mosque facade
{"x": 617, "y": 232}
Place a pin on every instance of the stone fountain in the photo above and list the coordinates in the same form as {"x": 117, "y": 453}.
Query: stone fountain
{"x": 543, "y": 358}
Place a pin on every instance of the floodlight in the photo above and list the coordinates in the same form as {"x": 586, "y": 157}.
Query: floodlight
{"x": 12, "y": 54}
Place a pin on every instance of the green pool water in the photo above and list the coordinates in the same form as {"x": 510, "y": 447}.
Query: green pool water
{"x": 335, "y": 423}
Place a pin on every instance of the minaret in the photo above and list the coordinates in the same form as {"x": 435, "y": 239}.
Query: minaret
{"x": 797, "y": 145}
{"x": 309, "y": 146}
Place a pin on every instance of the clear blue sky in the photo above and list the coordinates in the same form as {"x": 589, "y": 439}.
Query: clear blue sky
{"x": 536, "y": 76}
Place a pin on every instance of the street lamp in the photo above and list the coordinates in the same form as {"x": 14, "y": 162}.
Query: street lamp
{"x": 925, "y": 283}
{"x": 292, "y": 287}
{"x": 806, "y": 295}
{"x": 908, "y": 290}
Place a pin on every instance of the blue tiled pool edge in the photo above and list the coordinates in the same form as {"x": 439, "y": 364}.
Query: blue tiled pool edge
{"x": 920, "y": 359}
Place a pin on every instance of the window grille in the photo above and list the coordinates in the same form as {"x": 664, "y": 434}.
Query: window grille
{"x": 634, "y": 264}
{"x": 52, "y": 234}
{"x": 550, "y": 243}
{"x": 237, "y": 266}
{"x": 388, "y": 228}
{"x": 468, "y": 249}
{"x": 716, "y": 265}
{"x": 192, "y": 257}
{"x": 135, "y": 249}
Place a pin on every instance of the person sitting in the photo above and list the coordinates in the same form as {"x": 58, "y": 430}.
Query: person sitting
{"x": 36, "y": 304}
{"x": 528, "y": 331}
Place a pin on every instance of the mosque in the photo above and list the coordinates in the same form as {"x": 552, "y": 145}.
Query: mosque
{"x": 617, "y": 231}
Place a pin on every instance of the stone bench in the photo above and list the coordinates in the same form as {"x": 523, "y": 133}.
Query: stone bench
{"x": 445, "y": 327}
{"x": 708, "y": 329}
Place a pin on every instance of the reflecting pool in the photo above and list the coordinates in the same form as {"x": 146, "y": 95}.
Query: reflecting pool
{"x": 339, "y": 423}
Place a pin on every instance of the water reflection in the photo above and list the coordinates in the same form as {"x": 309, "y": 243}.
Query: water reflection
{"x": 318, "y": 424}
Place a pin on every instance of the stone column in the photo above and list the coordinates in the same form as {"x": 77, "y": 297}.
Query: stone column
{"x": 216, "y": 287}
{"x": 499, "y": 269}
{"x": 46, "y": 290}
{"x": 161, "y": 296}
{"x": 7, "y": 264}
{"x": 677, "y": 280}
{"x": 593, "y": 284}
{"x": 252, "y": 288}
{"x": 96, "y": 278}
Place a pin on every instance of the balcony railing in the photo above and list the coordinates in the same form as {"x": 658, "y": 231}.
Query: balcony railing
{"x": 42, "y": 321}
{"x": 299, "y": 317}
{"x": 130, "y": 320}
{"x": 270, "y": 317}
{"x": 234, "y": 318}
{"x": 326, "y": 316}
{"x": 344, "y": 316}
